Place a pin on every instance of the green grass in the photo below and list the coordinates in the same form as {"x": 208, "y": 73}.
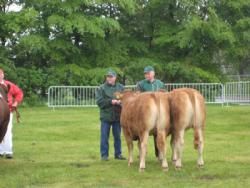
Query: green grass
{"x": 61, "y": 149}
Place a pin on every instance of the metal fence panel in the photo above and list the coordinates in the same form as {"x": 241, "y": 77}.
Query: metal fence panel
{"x": 84, "y": 96}
{"x": 212, "y": 92}
{"x": 237, "y": 92}
{"x": 72, "y": 96}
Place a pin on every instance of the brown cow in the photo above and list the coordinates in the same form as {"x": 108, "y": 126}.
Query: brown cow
{"x": 188, "y": 110}
{"x": 4, "y": 111}
{"x": 144, "y": 114}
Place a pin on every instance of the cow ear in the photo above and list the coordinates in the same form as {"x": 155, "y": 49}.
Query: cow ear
{"x": 117, "y": 95}
{"x": 162, "y": 90}
{"x": 127, "y": 90}
{"x": 121, "y": 95}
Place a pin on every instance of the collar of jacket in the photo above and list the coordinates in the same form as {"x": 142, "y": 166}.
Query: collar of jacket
{"x": 110, "y": 85}
{"x": 148, "y": 81}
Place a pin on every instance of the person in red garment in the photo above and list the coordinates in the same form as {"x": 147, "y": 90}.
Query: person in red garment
{"x": 15, "y": 97}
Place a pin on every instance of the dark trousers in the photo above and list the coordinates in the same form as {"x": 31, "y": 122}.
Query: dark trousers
{"x": 105, "y": 130}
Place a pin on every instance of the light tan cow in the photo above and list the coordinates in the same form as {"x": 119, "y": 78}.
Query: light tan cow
{"x": 144, "y": 114}
{"x": 188, "y": 110}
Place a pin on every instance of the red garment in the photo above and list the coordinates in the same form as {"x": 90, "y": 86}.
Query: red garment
{"x": 14, "y": 94}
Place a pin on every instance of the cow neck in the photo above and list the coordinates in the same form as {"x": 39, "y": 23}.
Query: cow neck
{"x": 129, "y": 98}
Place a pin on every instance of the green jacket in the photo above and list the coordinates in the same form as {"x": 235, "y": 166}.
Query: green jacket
{"x": 145, "y": 85}
{"x": 104, "y": 96}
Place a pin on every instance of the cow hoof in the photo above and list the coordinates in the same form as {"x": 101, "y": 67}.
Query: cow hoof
{"x": 159, "y": 159}
{"x": 200, "y": 165}
{"x": 164, "y": 164}
{"x": 165, "y": 169}
{"x": 141, "y": 170}
{"x": 177, "y": 168}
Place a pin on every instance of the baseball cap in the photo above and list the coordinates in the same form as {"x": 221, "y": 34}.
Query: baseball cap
{"x": 111, "y": 72}
{"x": 148, "y": 69}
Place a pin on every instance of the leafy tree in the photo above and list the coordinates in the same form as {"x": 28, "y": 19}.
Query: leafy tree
{"x": 73, "y": 42}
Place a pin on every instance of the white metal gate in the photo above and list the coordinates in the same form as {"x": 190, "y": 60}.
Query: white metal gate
{"x": 237, "y": 92}
{"x": 72, "y": 96}
{"x": 212, "y": 92}
{"x": 84, "y": 96}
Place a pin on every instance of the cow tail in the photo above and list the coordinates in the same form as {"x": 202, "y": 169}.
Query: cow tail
{"x": 158, "y": 104}
{"x": 196, "y": 126}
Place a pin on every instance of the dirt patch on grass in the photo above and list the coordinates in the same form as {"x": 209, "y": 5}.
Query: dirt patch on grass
{"x": 208, "y": 177}
{"x": 80, "y": 165}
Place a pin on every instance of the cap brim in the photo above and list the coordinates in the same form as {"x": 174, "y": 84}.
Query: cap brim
{"x": 111, "y": 75}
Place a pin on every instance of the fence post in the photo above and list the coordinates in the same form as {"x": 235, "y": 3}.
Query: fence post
{"x": 223, "y": 94}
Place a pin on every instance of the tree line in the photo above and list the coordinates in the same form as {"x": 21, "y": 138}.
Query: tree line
{"x": 73, "y": 42}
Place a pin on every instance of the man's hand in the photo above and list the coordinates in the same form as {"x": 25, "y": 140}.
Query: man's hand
{"x": 116, "y": 102}
{"x": 14, "y": 105}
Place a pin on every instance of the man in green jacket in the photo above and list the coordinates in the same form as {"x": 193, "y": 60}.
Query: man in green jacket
{"x": 150, "y": 84}
{"x": 110, "y": 111}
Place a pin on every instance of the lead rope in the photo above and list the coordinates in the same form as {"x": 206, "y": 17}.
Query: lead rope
{"x": 18, "y": 116}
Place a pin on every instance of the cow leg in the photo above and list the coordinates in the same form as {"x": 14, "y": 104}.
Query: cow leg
{"x": 155, "y": 145}
{"x": 178, "y": 144}
{"x": 130, "y": 150}
{"x": 199, "y": 144}
{"x": 144, "y": 142}
{"x": 161, "y": 143}
{"x": 174, "y": 156}
{"x": 174, "y": 152}
{"x": 139, "y": 148}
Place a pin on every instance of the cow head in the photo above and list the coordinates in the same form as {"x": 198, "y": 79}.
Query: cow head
{"x": 125, "y": 94}
{"x": 118, "y": 95}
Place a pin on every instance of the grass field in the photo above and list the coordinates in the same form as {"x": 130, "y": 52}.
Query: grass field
{"x": 61, "y": 149}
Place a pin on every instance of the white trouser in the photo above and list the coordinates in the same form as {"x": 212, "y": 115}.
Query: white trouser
{"x": 6, "y": 145}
